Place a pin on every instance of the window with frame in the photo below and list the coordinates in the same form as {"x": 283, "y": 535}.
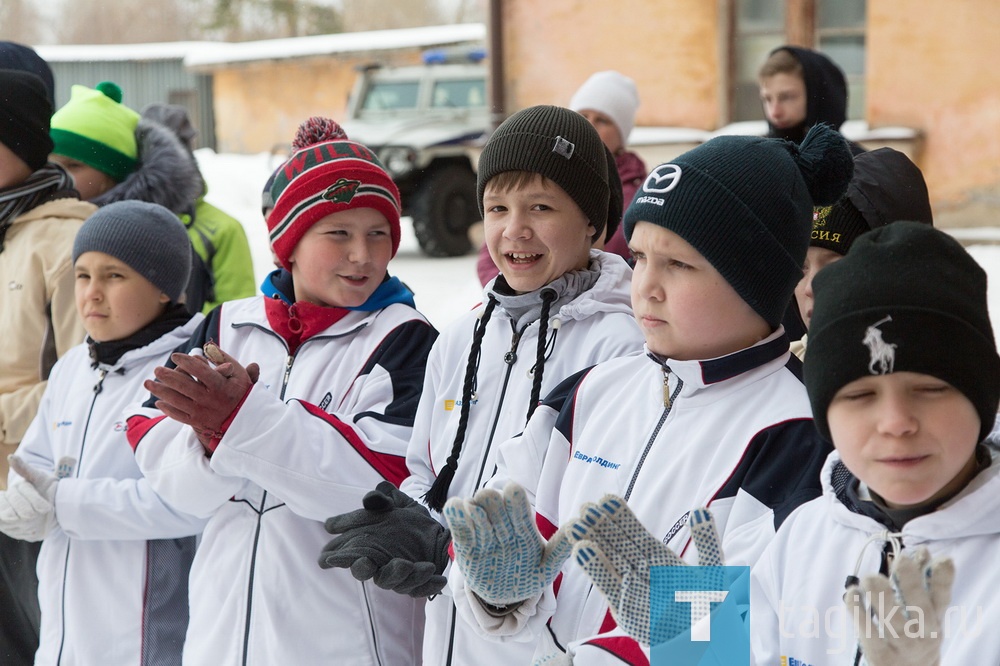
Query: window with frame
{"x": 834, "y": 27}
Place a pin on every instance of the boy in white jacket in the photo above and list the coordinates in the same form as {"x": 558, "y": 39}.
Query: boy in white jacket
{"x": 335, "y": 358}
{"x": 714, "y": 414}
{"x": 904, "y": 377}
{"x": 546, "y": 184}
{"x": 114, "y": 563}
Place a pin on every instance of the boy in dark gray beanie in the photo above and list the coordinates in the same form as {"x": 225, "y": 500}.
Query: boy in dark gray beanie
{"x": 547, "y": 187}
{"x": 76, "y": 486}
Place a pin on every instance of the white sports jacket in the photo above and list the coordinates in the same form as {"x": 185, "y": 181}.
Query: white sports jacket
{"x": 319, "y": 429}
{"x": 113, "y": 575}
{"x": 595, "y": 326}
{"x": 797, "y": 612}
{"x": 733, "y": 433}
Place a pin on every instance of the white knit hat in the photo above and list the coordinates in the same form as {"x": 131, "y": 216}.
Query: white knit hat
{"x": 611, "y": 93}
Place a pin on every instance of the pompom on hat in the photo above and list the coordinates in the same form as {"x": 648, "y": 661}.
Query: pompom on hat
{"x": 327, "y": 173}
{"x": 746, "y": 204}
{"x": 96, "y": 129}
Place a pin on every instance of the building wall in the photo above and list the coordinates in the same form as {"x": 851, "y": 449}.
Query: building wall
{"x": 259, "y": 105}
{"x": 670, "y": 48}
{"x": 934, "y": 69}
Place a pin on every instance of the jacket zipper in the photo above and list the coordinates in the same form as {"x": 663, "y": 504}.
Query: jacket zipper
{"x": 668, "y": 402}
{"x": 98, "y": 387}
{"x": 510, "y": 358}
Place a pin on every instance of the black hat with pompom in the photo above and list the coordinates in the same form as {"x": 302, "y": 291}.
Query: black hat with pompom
{"x": 746, "y": 204}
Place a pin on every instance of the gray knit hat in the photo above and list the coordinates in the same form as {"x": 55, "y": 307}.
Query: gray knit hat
{"x": 146, "y": 236}
{"x": 559, "y": 144}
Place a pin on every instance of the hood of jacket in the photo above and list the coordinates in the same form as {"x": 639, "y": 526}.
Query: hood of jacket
{"x": 68, "y": 207}
{"x": 826, "y": 94}
{"x": 167, "y": 173}
{"x": 975, "y": 511}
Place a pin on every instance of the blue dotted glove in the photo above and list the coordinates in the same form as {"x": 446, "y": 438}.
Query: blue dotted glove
{"x": 497, "y": 546}
{"x": 617, "y": 552}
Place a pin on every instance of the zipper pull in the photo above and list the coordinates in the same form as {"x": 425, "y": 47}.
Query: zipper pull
{"x": 666, "y": 387}
{"x": 510, "y": 358}
{"x": 100, "y": 381}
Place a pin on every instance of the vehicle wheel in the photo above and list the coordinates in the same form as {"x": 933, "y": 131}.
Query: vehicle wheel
{"x": 443, "y": 209}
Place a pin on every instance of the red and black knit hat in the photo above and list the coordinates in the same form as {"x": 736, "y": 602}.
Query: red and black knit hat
{"x": 327, "y": 173}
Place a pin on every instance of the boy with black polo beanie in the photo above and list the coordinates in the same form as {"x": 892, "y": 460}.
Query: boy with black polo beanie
{"x": 40, "y": 213}
{"x": 713, "y": 414}
{"x": 904, "y": 377}
{"x": 545, "y": 183}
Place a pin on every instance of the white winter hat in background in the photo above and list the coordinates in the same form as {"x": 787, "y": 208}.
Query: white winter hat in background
{"x": 611, "y": 93}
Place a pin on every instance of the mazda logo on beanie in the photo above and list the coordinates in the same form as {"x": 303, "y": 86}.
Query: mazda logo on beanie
{"x": 662, "y": 179}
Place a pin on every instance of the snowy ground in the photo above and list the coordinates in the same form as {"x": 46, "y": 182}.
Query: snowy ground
{"x": 444, "y": 288}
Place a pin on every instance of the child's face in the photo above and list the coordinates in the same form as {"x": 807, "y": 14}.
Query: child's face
{"x": 606, "y": 129}
{"x": 113, "y": 300}
{"x": 784, "y": 100}
{"x": 535, "y": 233}
{"x": 910, "y": 437}
{"x": 89, "y": 182}
{"x": 685, "y": 308}
{"x": 13, "y": 170}
{"x": 816, "y": 258}
{"x": 342, "y": 259}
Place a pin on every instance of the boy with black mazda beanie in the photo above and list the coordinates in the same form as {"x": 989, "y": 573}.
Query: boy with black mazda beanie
{"x": 904, "y": 377}
{"x": 713, "y": 414}
{"x": 545, "y": 186}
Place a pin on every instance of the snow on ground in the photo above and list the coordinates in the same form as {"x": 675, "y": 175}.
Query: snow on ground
{"x": 443, "y": 288}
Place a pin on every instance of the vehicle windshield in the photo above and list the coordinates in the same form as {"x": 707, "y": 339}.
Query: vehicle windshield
{"x": 390, "y": 95}
{"x": 459, "y": 93}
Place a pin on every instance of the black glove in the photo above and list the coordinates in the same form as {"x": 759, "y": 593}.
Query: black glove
{"x": 393, "y": 540}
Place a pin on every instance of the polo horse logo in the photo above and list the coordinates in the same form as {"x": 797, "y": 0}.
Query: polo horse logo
{"x": 883, "y": 354}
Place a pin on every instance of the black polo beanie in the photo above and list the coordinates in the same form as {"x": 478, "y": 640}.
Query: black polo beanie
{"x": 905, "y": 298}
{"x": 886, "y": 187}
{"x": 25, "y": 114}
{"x": 26, "y": 59}
{"x": 146, "y": 236}
{"x": 746, "y": 204}
{"x": 559, "y": 144}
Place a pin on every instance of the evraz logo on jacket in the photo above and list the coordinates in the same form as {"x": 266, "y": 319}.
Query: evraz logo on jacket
{"x": 883, "y": 354}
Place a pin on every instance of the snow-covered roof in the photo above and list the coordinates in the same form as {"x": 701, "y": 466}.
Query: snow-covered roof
{"x": 117, "y": 52}
{"x": 347, "y": 42}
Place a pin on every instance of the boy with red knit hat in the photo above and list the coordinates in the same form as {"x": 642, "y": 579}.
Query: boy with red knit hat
{"x": 321, "y": 413}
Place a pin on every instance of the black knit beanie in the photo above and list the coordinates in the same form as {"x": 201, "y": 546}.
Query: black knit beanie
{"x": 886, "y": 187}
{"x": 559, "y": 144}
{"x": 146, "y": 236}
{"x": 746, "y": 204}
{"x": 905, "y": 298}
{"x": 25, "y": 114}
{"x": 26, "y": 59}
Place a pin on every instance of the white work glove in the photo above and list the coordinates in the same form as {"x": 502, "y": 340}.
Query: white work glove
{"x": 28, "y": 506}
{"x": 617, "y": 552}
{"x": 497, "y": 546}
{"x": 885, "y": 628}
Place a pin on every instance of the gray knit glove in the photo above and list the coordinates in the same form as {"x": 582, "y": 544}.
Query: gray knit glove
{"x": 497, "y": 546}
{"x": 617, "y": 552}
{"x": 393, "y": 540}
{"x": 885, "y": 610}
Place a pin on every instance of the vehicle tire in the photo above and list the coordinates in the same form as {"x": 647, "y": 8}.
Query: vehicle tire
{"x": 443, "y": 209}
